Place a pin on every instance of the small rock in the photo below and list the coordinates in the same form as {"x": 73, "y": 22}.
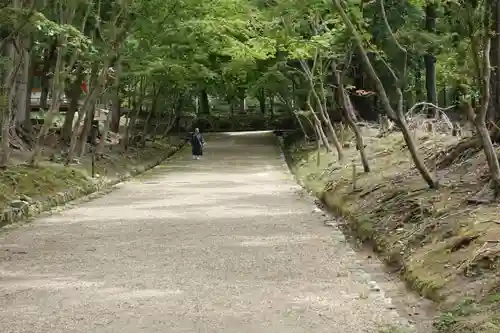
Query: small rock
{"x": 25, "y": 198}
{"x": 7, "y": 215}
{"x": 18, "y": 204}
{"x": 373, "y": 286}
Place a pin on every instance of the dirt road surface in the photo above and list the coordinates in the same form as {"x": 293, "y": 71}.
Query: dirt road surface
{"x": 229, "y": 243}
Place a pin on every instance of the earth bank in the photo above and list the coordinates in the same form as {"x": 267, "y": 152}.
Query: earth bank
{"x": 445, "y": 248}
{"x": 26, "y": 191}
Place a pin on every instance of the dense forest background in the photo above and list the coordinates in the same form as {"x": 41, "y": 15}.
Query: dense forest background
{"x": 398, "y": 91}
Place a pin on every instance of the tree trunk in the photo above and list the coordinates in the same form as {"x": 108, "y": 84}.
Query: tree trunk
{"x": 4, "y": 126}
{"x": 321, "y": 104}
{"x": 318, "y": 145}
{"x": 22, "y": 82}
{"x": 96, "y": 81}
{"x": 204, "y": 103}
{"x": 137, "y": 105}
{"x": 74, "y": 93}
{"x": 27, "y": 125}
{"x": 154, "y": 106}
{"x": 243, "y": 104}
{"x": 271, "y": 106}
{"x": 480, "y": 120}
{"x": 398, "y": 116}
{"x": 128, "y": 129}
{"x": 48, "y": 63}
{"x": 319, "y": 129}
{"x": 115, "y": 108}
{"x": 418, "y": 83}
{"x": 262, "y": 101}
{"x": 430, "y": 59}
{"x": 348, "y": 112}
{"x": 497, "y": 63}
{"x": 104, "y": 134}
{"x": 170, "y": 124}
{"x": 494, "y": 103}
{"x": 56, "y": 92}
{"x": 87, "y": 127}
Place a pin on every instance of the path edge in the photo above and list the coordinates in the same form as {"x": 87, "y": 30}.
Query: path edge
{"x": 285, "y": 159}
{"x": 73, "y": 196}
{"x": 332, "y": 209}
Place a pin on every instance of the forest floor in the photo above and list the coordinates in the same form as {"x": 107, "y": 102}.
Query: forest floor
{"x": 20, "y": 181}
{"x": 444, "y": 247}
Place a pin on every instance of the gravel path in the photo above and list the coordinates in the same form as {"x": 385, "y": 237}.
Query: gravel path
{"x": 226, "y": 244}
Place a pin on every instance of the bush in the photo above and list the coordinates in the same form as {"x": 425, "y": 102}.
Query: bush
{"x": 258, "y": 123}
{"x": 224, "y": 125}
{"x": 204, "y": 124}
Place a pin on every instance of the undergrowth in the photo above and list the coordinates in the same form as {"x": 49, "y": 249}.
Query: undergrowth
{"x": 20, "y": 181}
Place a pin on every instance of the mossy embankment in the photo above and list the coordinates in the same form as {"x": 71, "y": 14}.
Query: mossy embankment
{"x": 26, "y": 191}
{"x": 447, "y": 249}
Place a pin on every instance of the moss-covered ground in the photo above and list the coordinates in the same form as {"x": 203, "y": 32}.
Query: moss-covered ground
{"x": 445, "y": 247}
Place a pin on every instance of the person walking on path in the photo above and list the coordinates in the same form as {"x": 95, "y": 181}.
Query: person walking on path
{"x": 197, "y": 143}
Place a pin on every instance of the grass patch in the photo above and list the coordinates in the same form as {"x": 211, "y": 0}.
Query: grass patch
{"x": 446, "y": 249}
{"x": 21, "y": 181}
{"x": 393, "y": 329}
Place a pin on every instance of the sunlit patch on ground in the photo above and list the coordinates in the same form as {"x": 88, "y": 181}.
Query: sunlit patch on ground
{"x": 248, "y": 133}
{"x": 277, "y": 240}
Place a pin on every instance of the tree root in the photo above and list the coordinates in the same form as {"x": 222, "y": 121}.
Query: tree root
{"x": 465, "y": 147}
{"x": 488, "y": 253}
{"x": 16, "y": 142}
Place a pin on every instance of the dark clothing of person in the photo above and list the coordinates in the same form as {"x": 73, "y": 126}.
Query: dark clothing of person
{"x": 197, "y": 144}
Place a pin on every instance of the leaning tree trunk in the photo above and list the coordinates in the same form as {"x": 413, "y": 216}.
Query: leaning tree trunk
{"x": 322, "y": 106}
{"x": 348, "y": 112}
{"x": 81, "y": 146}
{"x": 398, "y": 115}
{"x": 480, "y": 122}
{"x": 319, "y": 129}
{"x": 97, "y": 80}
